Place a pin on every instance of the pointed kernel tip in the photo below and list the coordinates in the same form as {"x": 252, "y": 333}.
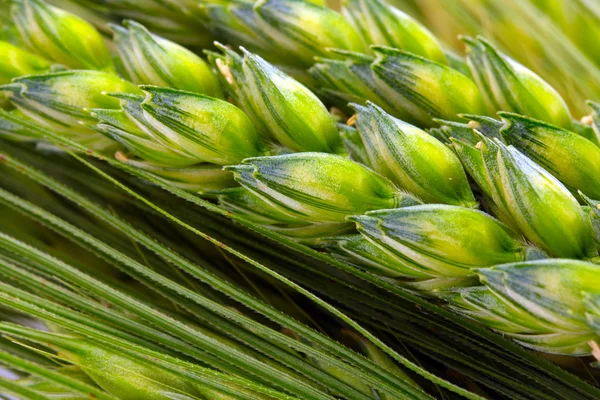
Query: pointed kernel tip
{"x": 587, "y": 120}
{"x": 474, "y": 124}
{"x": 116, "y": 28}
{"x": 245, "y": 52}
{"x": 135, "y": 27}
{"x": 483, "y": 274}
{"x": 465, "y": 38}
{"x": 483, "y": 40}
{"x": 220, "y": 46}
{"x": 352, "y": 120}
{"x": 355, "y": 106}
{"x": 355, "y": 218}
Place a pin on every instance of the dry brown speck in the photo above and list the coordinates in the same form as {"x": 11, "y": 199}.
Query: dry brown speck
{"x": 120, "y": 156}
{"x": 224, "y": 69}
{"x": 352, "y": 120}
{"x": 595, "y": 349}
{"x": 587, "y": 120}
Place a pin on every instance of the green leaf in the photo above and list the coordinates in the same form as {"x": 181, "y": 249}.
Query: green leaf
{"x": 62, "y": 379}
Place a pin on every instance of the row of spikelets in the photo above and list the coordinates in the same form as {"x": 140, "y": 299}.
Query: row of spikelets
{"x": 380, "y": 191}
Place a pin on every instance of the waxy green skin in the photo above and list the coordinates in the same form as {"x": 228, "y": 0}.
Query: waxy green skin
{"x": 508, "y": 86}
{"x": 284, "y": 108}
{"x": 187, "y": 157}
{"x": 551, "y": 292}
{"x": 452, "y": 130}
{"x": 480, "y": 303}
{"x": 209, "y": 129}
{"x": 61, "y": 101}
{"x": 441, "y": 240}
{"x": 306, "y": 30}
{"x": 409, "y": 87}
{"x": 595, "y": 136}
{"x": 379, "y": 23}
{"x": 586, "y": 131}
{"x": 152, "y": 60}
{"x": 238, "y": 24}
{"x": 571, "y": 158}
{"x": 129, "y": 127}
{"x": 420, "y": 89}
{"x": 317, "y": 187}
{"x": 593, "y": 214}
{"x": 61, "y": 98}
{"x": 366, "y": 254}
{"x": 247, "y": 204}
{"x": 244, "y": 202}
{"x": 353, "y": 143}
{"x": 229, "y": 68}
{"x": 288, "y": 33}
{"x": 293, "y": 114}
{"x": 528, "y": 198}
{"x": 17, "y": 62}
{"x": 349, "y": 81}
{"x": 60, "y": 36}
{"x": 412, "y": 158}
{"x": 512, "y": 320}
{"x": 591, "y": 301}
